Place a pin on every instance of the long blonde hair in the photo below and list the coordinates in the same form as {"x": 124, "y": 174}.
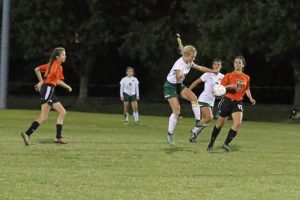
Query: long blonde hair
{"x": 185, "y": 50}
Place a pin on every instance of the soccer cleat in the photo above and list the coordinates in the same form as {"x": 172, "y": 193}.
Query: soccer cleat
{"x": 25, "y": 138}
{"x": 126, "y": 122}
{"x": 170, "y": 140}
{"x": 138, "y": 123}
{"x": 226, "y": 147}
{"x": 210, "y": 146}
{"x": 60, "y": 141}
{"x": 193, "y": 138}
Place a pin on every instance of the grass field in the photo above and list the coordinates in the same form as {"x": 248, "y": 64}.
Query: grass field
{"x": 108, "y": 160}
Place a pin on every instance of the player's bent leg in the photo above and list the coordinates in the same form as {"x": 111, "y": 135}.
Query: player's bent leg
{"x": 207, "y": 114}
{"x": 61, "y": 112}
{"x": 206, "y": 117}
{"x": 45, "y": 109}
{"x": 191, "y": 97}
{"x": 237, "y": 118}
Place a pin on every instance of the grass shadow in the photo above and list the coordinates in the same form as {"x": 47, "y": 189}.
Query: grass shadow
{"x": 173, "y": 149}
{"x": 219, "y": 150}
{"x": 45, "y": 141}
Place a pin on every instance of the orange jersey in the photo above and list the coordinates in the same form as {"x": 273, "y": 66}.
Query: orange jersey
{"x": 243, "y": 83}
{"x": 55, "y": 73}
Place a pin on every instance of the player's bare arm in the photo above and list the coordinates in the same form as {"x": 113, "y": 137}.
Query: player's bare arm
{"x": 195, "y": 83}
{"x": 205, "y": 69}
{"x": 64, "y": 85}
{"x": 40, "y": 78}
{"x": 248, "y": 93}
{"x": 179, "y": 75}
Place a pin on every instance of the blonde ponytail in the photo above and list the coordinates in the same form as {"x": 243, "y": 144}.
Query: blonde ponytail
{"x": 180, "y": 46}
{"x": 185, "y": 50}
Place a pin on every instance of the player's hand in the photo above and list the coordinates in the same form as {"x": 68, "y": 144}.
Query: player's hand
{"x": 122, "y": 98}
{"x": 215, "y": 71}
{"x": 137, "y": 98}
{"x": 232, "y": 86}
{"x": 253, "y": 102}
{"x": 38, "y": 86}
{"x": 69, "y": 89}
{"x": 181, "y": 77}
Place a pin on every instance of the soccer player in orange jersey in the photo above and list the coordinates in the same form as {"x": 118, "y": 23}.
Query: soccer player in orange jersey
{"x": 52, "y": 76}
{"x": 237, "y": 85}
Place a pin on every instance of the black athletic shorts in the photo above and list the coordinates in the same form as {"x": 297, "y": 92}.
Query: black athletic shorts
{"x": 227, "y": 106}
{"x": 47, "y": 94}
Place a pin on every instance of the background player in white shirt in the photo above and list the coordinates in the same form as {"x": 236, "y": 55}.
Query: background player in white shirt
{"x": 173, "y": 87}
{"x": 129, "y": 92}
{"x": 206, "y": 99}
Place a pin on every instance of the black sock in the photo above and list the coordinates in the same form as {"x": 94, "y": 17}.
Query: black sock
{"x": 32, "y": 128}
{"x": 230, "y": 136}
{"x": 214, "y": 134}
{"x": 58, "y": 130}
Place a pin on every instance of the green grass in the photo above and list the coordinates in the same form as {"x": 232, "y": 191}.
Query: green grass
{"x": 108, "y": 160}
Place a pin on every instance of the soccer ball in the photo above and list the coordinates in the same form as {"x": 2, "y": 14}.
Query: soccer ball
{"x": 219, "y": 91}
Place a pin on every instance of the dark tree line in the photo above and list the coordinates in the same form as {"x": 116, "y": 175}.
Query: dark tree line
{"x": 97, "y": 33}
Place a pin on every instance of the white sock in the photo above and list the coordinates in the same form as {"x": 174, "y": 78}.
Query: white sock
{"x": 126, "y": 116}
{"x": 136, "y": 116}
{"x": 172, "y": 123}
{"x": 196, "y": 110}
{"x": 197, "y": 130}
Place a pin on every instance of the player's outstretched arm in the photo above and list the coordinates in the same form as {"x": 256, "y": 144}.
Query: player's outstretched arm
{"x": 205, "y": 69}
{"x": 195, "y": 83}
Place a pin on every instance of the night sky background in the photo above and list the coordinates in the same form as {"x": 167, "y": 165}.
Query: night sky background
{"x": 103, "y": 38}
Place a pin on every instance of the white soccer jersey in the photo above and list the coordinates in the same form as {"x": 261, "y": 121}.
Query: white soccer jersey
{"x": 129, "y": 85}
{"x": 179, "y": 65}
{"x": 209, "y": 79}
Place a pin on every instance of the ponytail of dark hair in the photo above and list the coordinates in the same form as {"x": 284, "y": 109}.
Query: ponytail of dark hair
{"x": 56, "y": 52}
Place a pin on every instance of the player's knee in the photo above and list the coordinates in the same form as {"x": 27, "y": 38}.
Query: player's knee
{"x": 219, "y": 125}
{"x": 208, "y": 119}
{"x": 42, "y": 119}
{"x": 236, "y": 126}
{"x": 177, "y": 112}
{"x": 63, "y": 113}
{"x": 194, "y": 98}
